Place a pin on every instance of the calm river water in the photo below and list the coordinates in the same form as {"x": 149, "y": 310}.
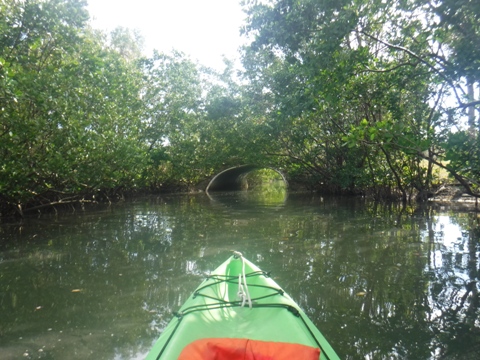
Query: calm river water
{"x": 380, "y": 282}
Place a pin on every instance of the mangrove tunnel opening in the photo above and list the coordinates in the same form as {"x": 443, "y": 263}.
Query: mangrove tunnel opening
{"x": 248, "y": 178}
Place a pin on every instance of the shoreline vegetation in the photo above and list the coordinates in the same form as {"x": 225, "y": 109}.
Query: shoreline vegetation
{"x": 373, "y": 99}
{"x": 449, "y": 195}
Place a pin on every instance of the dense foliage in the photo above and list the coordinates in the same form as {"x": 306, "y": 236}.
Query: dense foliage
{"x": 83, "y": 115}
{"x": 362, "y": 97}
{"x": 365, "y": 94}
{"x": 70, "y": 106}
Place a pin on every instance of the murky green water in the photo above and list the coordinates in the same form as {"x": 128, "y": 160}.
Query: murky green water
{"x": 380, "y": 282}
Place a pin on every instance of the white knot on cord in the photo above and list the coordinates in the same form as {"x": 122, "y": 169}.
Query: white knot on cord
{"x": 243, "y": 292}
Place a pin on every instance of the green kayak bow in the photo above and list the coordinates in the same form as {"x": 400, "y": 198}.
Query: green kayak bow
{"x": 239, "y": 312}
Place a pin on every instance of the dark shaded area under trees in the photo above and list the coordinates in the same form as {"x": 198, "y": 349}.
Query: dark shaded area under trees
{"x": 369, "y": 98}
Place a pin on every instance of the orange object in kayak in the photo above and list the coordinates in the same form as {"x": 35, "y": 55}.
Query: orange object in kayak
{"x": 245, "y": 349}
{"x": 239, "y": 310}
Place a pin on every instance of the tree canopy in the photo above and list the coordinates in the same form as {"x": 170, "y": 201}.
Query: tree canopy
{"x": 369, "y": 92}
{"x": 368, "y": 97}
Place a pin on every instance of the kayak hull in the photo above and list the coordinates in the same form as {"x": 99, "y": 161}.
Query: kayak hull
{"x": 239, "y": 301}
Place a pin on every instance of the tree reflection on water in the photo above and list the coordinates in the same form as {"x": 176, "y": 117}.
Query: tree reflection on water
{"x": 380, "y": 281}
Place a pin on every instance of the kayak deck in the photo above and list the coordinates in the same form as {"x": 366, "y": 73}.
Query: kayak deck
{"x": 239, "y": 301}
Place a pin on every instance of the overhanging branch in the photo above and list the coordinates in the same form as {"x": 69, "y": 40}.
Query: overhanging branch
{"x": 422, "y": 60}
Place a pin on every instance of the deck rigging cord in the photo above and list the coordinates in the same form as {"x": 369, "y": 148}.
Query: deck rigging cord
{"x": 243, "y": 292}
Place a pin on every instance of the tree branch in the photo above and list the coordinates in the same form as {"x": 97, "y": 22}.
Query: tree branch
{"x": 469, "y": 104}
{"x": 392, "y": 68}
{"x": 419, "y": 58}
{"x": 60, "y": 202}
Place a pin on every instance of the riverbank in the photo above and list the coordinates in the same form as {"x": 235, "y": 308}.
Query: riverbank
{"x": 446, "y": 195}
{"x": 454, "y": 195}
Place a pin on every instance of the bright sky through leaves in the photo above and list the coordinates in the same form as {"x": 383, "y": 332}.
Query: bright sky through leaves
{"x": 203, "y": 29}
